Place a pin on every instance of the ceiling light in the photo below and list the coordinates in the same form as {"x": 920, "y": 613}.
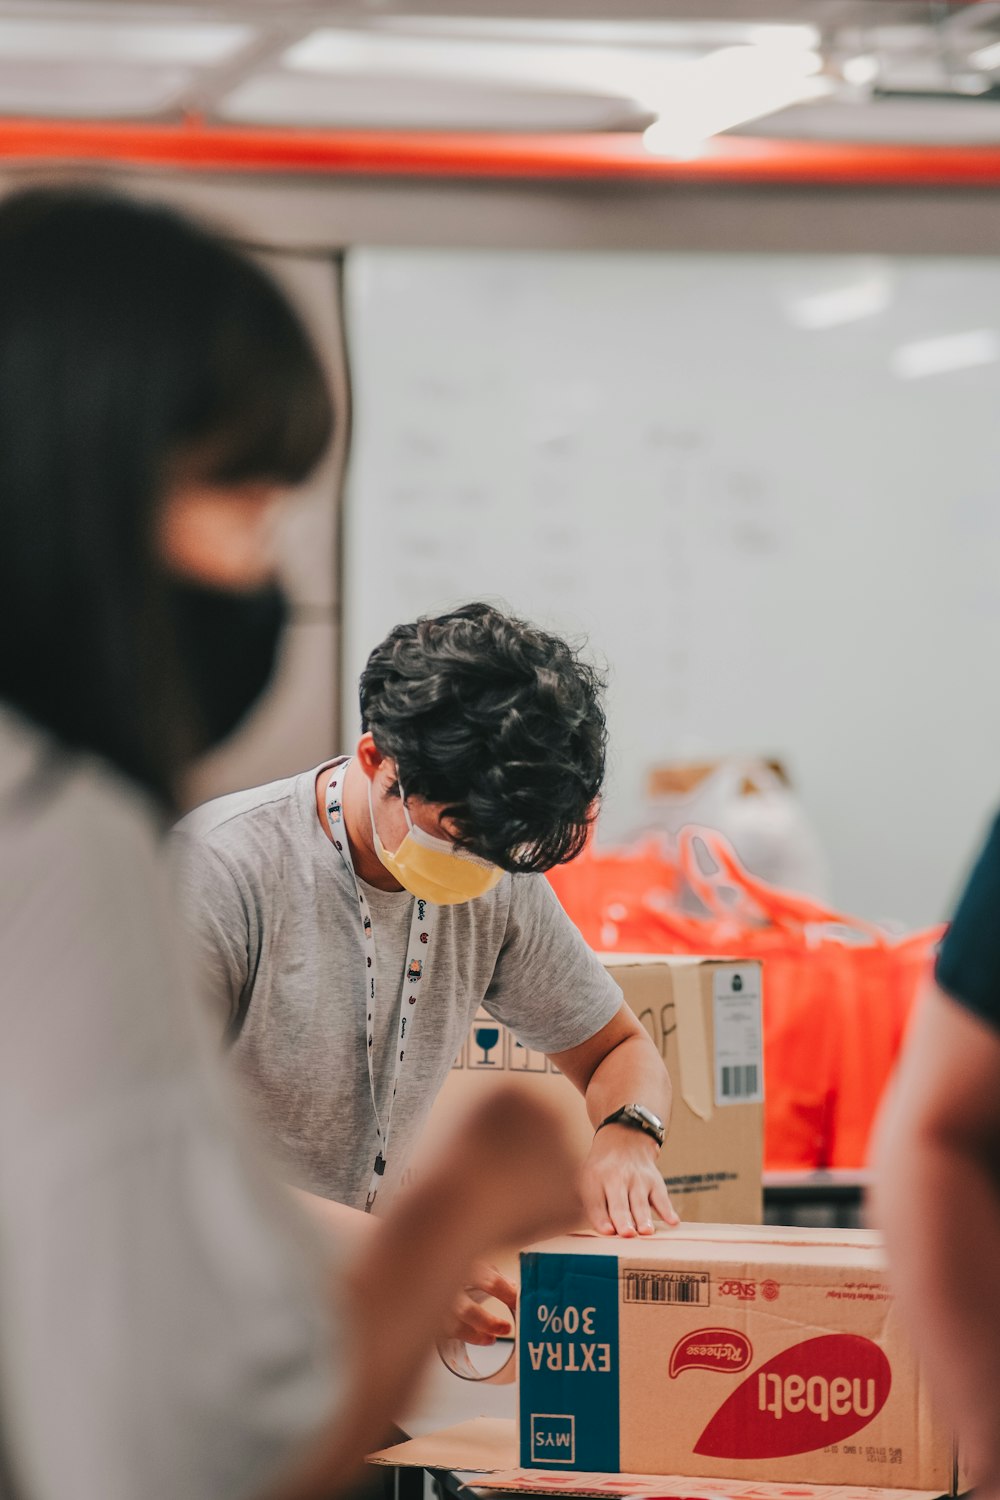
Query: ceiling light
{"x": 192, "y": 43}
{"x": 366, "y": 101}
{"x": 631, "y": 75}
{"x": 729, "y": 87}
{"x": 860, "y": 71}
{"x": 697, "y": 36}
{"x": 60, "y": 89}
{"x": 986, "y": 58}
{"x": 800, "y": 38}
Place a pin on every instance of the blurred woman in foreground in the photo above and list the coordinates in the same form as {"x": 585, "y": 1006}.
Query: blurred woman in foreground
{"x": 169, "y": 1328}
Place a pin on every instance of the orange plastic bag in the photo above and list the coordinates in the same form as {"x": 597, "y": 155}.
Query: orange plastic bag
{"x": 799, "y": 1060}
{"x": 837, "y": 995}
{"x": 602, "y": 879}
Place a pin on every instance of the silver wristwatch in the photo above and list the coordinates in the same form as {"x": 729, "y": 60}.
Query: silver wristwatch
{"x": 639, "y": 1118}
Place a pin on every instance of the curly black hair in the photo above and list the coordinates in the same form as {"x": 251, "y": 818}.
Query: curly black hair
{"x": 500, "y": 722}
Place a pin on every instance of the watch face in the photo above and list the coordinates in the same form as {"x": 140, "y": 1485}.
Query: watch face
{"x": 642, "y": 1113}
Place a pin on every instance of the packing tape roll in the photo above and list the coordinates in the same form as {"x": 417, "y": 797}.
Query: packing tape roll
{"x": 455, "y": 1355}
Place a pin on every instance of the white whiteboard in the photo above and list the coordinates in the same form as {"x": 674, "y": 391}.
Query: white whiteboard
{"x": 773, "y": 542}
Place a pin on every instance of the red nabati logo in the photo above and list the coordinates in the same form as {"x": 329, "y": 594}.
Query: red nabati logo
{"x": 770, "y": 1291}
{"x": 809, "y": 1396}
{"x": 711, "y": 1349}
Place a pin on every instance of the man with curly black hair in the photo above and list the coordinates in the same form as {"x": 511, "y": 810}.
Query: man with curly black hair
{"x": 355, "y": 917}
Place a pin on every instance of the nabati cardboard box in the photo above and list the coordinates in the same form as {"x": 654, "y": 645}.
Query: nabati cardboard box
{"x": 736, "y": 1352}
{"x": 486, "y": 1447}
{"x": 704, "y": 1014}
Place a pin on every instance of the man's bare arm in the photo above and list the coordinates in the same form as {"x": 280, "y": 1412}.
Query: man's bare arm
{"x": 468, "y": 1319}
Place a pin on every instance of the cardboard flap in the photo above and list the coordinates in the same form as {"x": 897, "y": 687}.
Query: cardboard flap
{"x": 483, "y": 1444}
{"x": 675, "y": 1487}
{"x": 692, "y": 1044}
{"x": 487, "y": 1446}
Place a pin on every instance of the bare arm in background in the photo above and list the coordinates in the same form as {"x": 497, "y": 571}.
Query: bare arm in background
{"x": 468, "y": 1320}
{"x": 505, "y": 1178}
{"x": 937, "y": 1200}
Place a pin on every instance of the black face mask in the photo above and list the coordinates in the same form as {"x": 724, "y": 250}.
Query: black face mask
{"x": 228, "y": 643}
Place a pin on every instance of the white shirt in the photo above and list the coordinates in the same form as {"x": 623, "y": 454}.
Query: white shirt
{"x": 165, "y": 1333}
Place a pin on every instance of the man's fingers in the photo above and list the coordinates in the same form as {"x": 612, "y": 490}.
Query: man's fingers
{"x": 487, "y": 1323}
{"x": 660, "y": 1200}
{"x": 474, "y": 1336}
{"x": 487, "y": 1279}
{"x": 642, "y": 1213}
{"x": 477, "y": 1325}
{"x": 596, "y": 1206}
{"x": 621, "y": 1214}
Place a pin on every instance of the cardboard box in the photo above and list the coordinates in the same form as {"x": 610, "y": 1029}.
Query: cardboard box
{"x": 730, "y": 1352}
{"x": 485, "y": 1447}
{"x": 704, "y": 1014}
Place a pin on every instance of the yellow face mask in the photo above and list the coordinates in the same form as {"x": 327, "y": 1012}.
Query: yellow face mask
{"x": 432, "y": 869}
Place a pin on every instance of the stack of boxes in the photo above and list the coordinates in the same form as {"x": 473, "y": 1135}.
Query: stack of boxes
{"x": 728, "y": 1350}
{"x": 704, "y": 1015}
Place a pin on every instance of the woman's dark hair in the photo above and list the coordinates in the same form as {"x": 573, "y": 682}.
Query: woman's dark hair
{"x": 134, "y": 346}
{"x": 497, "y": 720}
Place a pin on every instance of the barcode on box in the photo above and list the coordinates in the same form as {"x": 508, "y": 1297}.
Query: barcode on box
{"x": 740, "y": 1082}
{"x": 738, "y": 1031}
{"x": 674, "y": 1288}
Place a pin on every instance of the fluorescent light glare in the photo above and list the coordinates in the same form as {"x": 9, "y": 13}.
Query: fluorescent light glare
{"x": 696, "y": 35}
{"x": 954, "y": 351}
{"x": 864, "y": 298}
{"x": 64, "y": 90}
{"x": 458, "y": 62}
{"x": 987, "y": 57}
{"x": 730, "y": 87}
{"x": 778, "y": 34}
{"x": 369, "y": 101}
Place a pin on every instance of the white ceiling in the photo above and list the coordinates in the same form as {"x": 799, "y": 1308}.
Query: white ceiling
{"x": 920, "y": 70}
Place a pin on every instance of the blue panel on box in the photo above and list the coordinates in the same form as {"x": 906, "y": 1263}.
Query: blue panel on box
{"x": 568, "y": 1362}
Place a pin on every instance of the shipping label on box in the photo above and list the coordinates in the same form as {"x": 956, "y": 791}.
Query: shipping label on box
{"x": 704, "y": 1015}
{"x": 717, "y": 1351}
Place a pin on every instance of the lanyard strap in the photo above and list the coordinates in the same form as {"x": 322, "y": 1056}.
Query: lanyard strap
{"x": 422, "y": 923}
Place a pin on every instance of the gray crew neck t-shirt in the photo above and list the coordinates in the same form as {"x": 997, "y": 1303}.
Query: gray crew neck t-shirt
{"x": 275, "y": 918}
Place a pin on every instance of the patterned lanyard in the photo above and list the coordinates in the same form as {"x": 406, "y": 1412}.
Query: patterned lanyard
{"x": 414, "y": 975}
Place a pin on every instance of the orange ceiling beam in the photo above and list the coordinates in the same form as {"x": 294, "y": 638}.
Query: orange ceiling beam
{"x": 193, "y": 145}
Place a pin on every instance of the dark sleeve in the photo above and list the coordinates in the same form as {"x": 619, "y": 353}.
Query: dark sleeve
{"x": 968, "y": 965}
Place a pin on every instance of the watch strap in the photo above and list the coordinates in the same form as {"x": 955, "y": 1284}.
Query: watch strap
{"x": 631, "y": 1117}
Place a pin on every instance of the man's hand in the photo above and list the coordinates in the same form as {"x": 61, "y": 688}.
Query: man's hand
{"x": 471, "y": 1321}
{"x": 621, "y": 1184}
